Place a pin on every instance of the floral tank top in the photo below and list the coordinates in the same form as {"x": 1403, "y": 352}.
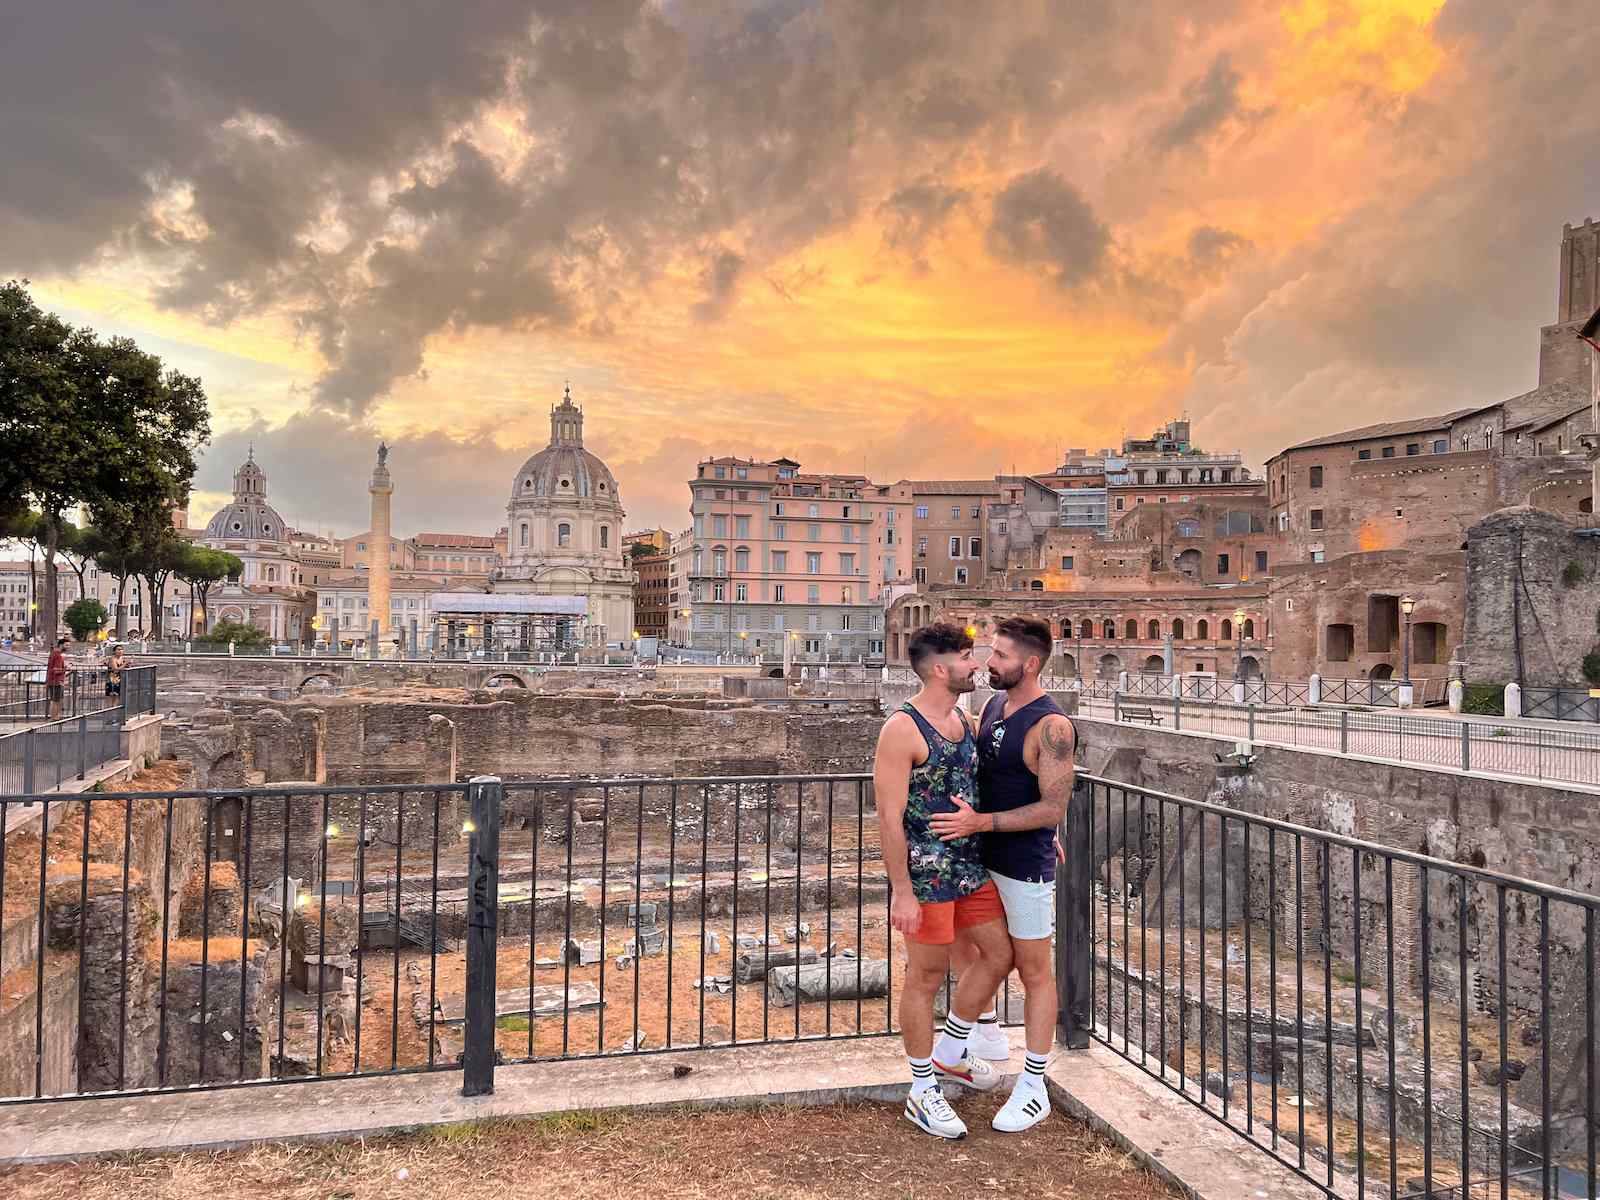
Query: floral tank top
{"x": 942, "y": 871}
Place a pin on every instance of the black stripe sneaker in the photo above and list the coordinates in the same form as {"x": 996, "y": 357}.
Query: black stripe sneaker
{"x": 1027, "y": 1106}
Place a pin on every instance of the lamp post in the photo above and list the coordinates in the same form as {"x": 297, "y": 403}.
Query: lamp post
{"x": 744, "y": 643}
{"x": 1408, "y": 605}
{"x": 1238, "y": 655}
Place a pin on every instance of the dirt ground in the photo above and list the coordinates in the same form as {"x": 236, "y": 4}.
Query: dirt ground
{"x": 841, "y": 1151}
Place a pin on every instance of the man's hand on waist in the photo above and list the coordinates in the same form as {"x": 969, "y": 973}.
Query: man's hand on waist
{"x": 964, "y": 822}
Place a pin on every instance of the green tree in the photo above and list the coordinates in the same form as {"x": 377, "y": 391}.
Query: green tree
{"x": 244, "y": 637}
{"x": 201, "y": 569}
{"x": 85, "y": 421}
{"x": 85, "y": 617}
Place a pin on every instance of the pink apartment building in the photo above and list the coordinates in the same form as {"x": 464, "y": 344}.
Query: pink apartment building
{"x": 775, "y": 553}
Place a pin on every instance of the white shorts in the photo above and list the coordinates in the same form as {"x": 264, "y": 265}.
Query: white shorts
{"x": 1030, "y": 906}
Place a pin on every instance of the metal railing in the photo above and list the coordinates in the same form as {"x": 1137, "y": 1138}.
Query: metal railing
{"x": 427, "y": 924}
{"x": 1378, "y": 1021}
{"x": 1523, "y": 750}
{"x": 24, "y": 696}
{"x": 1561, "y": 704}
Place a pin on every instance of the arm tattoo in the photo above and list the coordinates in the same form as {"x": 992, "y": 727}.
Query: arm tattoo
{"x": 1055, "y": 739}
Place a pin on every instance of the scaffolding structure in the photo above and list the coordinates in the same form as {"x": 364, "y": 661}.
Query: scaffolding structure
{"x": 498, "y": 623}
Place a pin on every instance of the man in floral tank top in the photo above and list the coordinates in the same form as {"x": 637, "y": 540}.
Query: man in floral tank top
{"x": 926, "y": 762}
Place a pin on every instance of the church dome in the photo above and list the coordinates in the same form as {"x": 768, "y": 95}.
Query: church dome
{"x": 249, "y": 517}
{"x": 564, "y": 469}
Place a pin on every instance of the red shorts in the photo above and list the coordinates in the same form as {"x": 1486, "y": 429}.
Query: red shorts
{"x": 941, "y": 920}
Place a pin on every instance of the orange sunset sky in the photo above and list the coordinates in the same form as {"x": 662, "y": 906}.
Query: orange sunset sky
{"x": 917, "y": 239}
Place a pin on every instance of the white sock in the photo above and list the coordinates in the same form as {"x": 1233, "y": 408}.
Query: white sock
{"x": 989, "y": 1017}
{"x": 951, "y": 1047}
{"x": 921, "y": 1075}
{"x": 1033, "y": 1066}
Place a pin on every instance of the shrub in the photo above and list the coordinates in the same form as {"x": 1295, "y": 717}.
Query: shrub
{"x": 1484, "y": 699}
{"x": 245, "y": 637}
{"x": 1591, "y": 666}
{"x": 1572, "y": 575}
{"x": 84, "y": 617}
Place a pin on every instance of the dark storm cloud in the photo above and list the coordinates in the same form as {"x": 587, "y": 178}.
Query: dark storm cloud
{"x": 1207, "y": 103}
{"x": 1042, "y": 221}
{"x": 1211, "y": 248}
{"x": 319, "y": 162}
{"x": 914, "y": 213}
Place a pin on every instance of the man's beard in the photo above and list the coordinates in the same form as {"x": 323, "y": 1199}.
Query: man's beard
{"x": 962, "y": 686}
{"x": 1002, "y": 683}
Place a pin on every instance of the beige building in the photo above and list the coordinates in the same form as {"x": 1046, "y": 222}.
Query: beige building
{"x": 565, "y": 522}
{"x": 949, "y": 521}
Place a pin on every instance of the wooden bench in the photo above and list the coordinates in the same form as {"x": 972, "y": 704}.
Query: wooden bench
{"x": 1144, "y": 716}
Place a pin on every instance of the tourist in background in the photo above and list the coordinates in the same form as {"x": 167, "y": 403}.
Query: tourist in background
{"x": 115, "y": 666}
{"x": 55, "y": 677}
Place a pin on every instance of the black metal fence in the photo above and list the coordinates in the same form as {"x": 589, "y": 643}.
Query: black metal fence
{"x": 1561, "y": 704}
{"x": 1381, "y": 1022}
{"x": 1377, "y": 1020}
{"x": 184, "y": 939}
{"x": 40, "y": 757}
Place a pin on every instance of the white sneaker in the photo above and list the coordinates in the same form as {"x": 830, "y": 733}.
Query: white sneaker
{"x": 930, "y": 1112}
{"x": 970, "y": 1072}
{"x": 1027, "y": 1105}
{"x": 989, "y": 1041}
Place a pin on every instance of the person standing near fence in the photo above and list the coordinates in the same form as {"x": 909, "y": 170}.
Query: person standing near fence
{"x": 115, "y": 666}
{"x": 1025, "y": 779}
{"x": 926, "y": 763}
{"x": 55, "y": 677}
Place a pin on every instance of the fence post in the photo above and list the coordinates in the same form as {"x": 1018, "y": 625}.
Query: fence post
{"x": 1177, "y": 711}
{"x": 484, "y": 794}
{"x": 83, "y": 746}
{"x": 1344, "y": 731}
{"x": 1252, "y": 724}
{"x": 27, "y": 772}
{"x": 1466, "y": 745}
{"x": 1075, "y": 1013}
{"x": 1116, "y": 706}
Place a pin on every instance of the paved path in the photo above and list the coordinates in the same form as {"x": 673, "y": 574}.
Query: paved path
{"x": 1560, "y": 753}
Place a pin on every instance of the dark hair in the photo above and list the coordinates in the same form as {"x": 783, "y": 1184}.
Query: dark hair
{"x": 1032, "y": 634}
{"x": 61, "y": 641}
{"x": 939, "y": 638}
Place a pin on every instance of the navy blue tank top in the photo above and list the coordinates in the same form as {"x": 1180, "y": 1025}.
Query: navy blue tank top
{"x": 1004, "y": 783}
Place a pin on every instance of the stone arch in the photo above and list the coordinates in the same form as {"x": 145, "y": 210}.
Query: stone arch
{"x": 1110, "y": 629}
{"x": 325, "y": 681}
{"x": 1154, "y": 630}
{"x": 563, "y": 535}
{"x": 500, "y": 679}
{"x": 1249, "y": 667}
{"x": 775, "y": 673}
{"x": 1202, "y": 630}
{"x": 1069, "y": 664}
{"x": 1177, "y": 629}
{"x": 1037, "y": 585}
{"x": 1381, "y": 672}
{"x": 1227, "y": 629}
{"x": 1109, "y": 666}
{"x": 1130, "y": 629}
{"x": 1249, "y": 629}
{"x": 1155, "y": 664}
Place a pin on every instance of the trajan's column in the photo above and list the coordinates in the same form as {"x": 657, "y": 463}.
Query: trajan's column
{"x": 381, "y": 488}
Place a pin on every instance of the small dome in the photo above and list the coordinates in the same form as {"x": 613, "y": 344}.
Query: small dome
{"x": 560, "y": 471}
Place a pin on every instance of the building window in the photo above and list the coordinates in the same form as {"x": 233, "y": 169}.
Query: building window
{"x": 1283, "y": 521}
{"x": 1261, "y": 561}
{"x": 922, "y": 547}
{"x": 741, "y": 526}
{"x": 1119, "y": 503}
{"x": 1441, "y": 446}
{"x": 780, "y": 561}
{"x": 718, "y": 592}
{"x": 1222, "y": 564}
{"x": 361, "y": 545}
{"x": 974, "y": 547}
{"x": 812, "y": 510}
{"x": 813, "y": 563}
{"x": 975, "y": 511}
{"x": 813, "y": 594}
{"x": 563, "y": 534}
{"x": 1037, "y": 585}
{"x": 955, "y": 547}
{"x": 1154, "y": 630}
{"x": 1363, "y": 455}
{"x": 605, "y": 537}
{"x": 922, "y": 512}
{"x": 777, "y": 593}
{"x": 888, "y": 537}
{"x": 847, "y": 564}
{"x": 741, "y": 592}
{"x": 1413, "y": 448}
{"x": 1177, "y": 629}
{"x": 719, "y": 494}
{"x": 780, "y": 532}
{"x": 1109, "y": 630}
{"x": 814, "y": 532}
{"x": 741, "y": 559}
{"x": 777, "y": 508}
{"x": 1316, "y": 477}
{"x": 1202, "y": 629}
{"x": 1316, "y": 556}
{"x": 919, "y": 575}
{"x": 1388, "y": 452}
{"x": 1315, "y": 517}
{"x": 961, "y": 574}
{"x": 719, "y": 525}
{"x": 1066, "y": 562}
{"x": 846, "y": 597}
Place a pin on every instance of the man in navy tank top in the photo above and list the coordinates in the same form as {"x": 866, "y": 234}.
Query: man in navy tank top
{"x": 1025, "y": 777}
{"x": 927, "y": 764}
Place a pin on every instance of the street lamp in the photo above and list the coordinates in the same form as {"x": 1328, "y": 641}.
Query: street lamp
{"x": 1408, "y": 605}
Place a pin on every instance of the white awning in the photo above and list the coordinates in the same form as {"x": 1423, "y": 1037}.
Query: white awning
{"x": 472, "y": 604}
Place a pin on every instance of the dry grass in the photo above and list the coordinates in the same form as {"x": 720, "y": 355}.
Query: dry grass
{"x": 841, "y": 1151}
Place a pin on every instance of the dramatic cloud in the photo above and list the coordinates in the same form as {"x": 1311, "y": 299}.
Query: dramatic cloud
{"x": 740, "y": 222}
{"x": 1042, "y": 220}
